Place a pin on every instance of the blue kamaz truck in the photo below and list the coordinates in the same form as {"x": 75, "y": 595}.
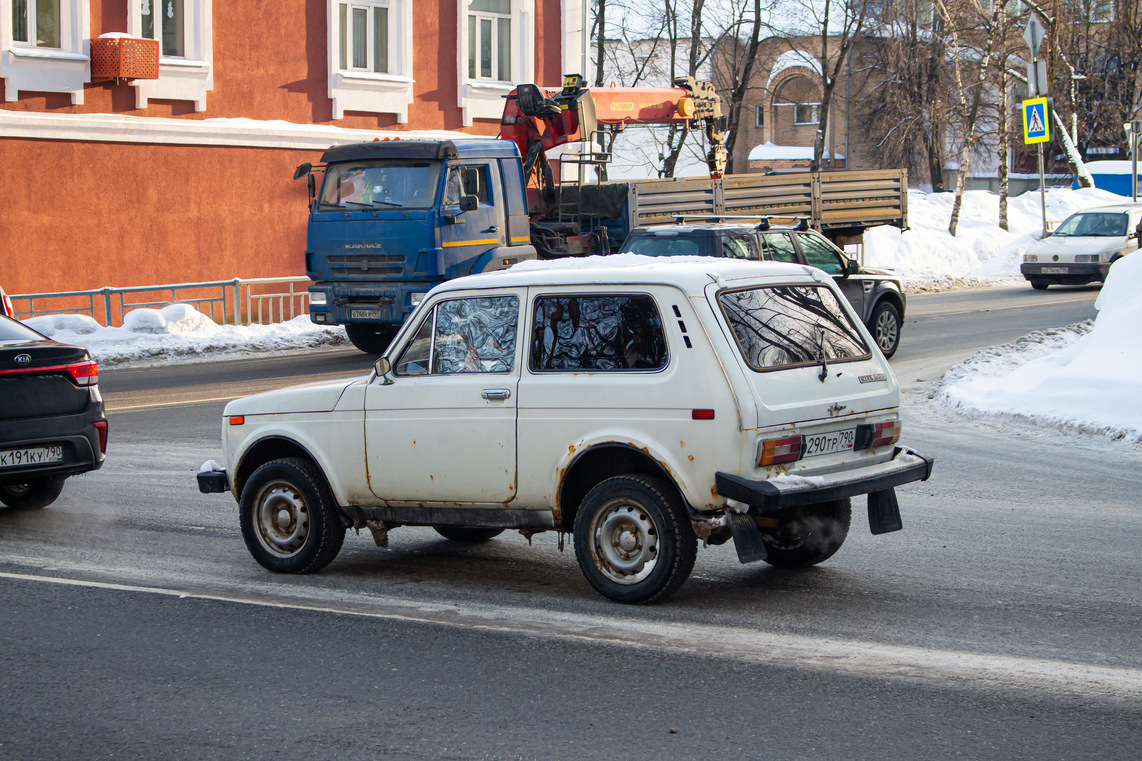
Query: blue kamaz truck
{"x": 390, "y": 219}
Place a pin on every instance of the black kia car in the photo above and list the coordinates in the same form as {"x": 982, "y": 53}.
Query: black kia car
{"x": 52, "y": 423}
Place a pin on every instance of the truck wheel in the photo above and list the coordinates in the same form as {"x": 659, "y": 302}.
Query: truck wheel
{"x": 288, "y": 517}
{"x": 633, "y": 539}
{"x": 466, "y": 534}
{"x": 33, "y": 494}
{"x": 371, "y": 339}
{"x": 808, "y": 535}
{"x": 885, "y": 326}
{"x": 1039, "y": 285}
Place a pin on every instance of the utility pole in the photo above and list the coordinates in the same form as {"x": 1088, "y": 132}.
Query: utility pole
{"x": 1133, "y": 139}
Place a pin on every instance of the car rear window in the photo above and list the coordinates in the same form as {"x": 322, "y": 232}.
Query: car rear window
{"x": 10, "y": 330}
{"x": 791, "y": 325}
{"x": 590, "y": 333}
{"x": 666, "y": 245}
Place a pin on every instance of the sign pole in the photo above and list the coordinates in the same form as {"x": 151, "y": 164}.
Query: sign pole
{"x": 1042, "y": 188}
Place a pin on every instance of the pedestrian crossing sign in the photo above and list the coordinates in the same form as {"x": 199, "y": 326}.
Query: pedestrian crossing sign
{"x": 1036, "y": 127}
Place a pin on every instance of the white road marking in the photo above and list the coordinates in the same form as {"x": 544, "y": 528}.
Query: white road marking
{"x": 156, "y": 405}
{"x": 939, "y": 668}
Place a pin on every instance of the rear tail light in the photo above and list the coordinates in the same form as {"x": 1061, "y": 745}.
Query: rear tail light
{"x": 84, "y": 373}
{"x": 101, "y": 428}
{"x": 8, "y": 310}
{"x": 871, "y": 436}
{"x": 777, "y": 451}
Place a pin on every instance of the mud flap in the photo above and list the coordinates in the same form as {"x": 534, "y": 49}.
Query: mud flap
{"x": 883, "y": 512}
{"x": 747, "y": 539}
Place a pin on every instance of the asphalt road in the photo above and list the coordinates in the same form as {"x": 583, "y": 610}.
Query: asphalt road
{"x": 1001, "y": 623}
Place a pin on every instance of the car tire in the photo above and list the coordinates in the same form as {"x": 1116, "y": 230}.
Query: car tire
{"x": 32, "y": 494}
{"x": 806, "y": 536}
{"x": 371, "y": 339}
{"x": 467, "y": 534}
{"x": 884, "y": 324}
{"x": 289, "y": 519}
{"x": 1039, "y": 285}
{"x": 633, "y": 539}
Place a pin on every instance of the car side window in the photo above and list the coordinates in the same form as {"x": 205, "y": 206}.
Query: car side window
{"x": 778, "y": 247}
{"x": 820, "y": 254}
{"x": 737, "y": 245}
{"x": 475, "y": 335}
{"x": 592, "y": 333}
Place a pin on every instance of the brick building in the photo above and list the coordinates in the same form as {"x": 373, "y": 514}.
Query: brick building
{"x": 179, "y": 169}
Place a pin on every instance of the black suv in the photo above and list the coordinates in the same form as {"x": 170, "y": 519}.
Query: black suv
{"x": 876, "y": 295}
{"x": 52, "y": 423}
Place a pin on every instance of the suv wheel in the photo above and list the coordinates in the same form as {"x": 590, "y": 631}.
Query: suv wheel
{"x": 32, "y": 494}
{"x": 289, "y": 519}
{"x": 807, "y": 535}
{"x": 371, "y": 339}
{"x": 633, "y": 539}
{"x": 1039, "y": 285}
{"x": 885, "y": 327}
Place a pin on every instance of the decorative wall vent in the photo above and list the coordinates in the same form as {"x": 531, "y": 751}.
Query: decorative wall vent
{"x": 122, "y": 57}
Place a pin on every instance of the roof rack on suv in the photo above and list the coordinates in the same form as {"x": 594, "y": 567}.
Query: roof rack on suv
{"x": 763, "y": 221}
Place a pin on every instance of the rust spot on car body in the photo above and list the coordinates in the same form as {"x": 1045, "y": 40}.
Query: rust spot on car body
{"x": 690, "y": 457}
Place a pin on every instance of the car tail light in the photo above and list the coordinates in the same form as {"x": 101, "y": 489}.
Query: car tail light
{"x": 871, "y": 436}
{"x": 8, "y": 310}
{"x": 84, "y": 373}
{"x": 101, "y": 427}
{"x": 777, "y": 451}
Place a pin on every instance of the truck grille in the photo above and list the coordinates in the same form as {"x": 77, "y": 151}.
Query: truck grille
{"x": 371, "y": 266}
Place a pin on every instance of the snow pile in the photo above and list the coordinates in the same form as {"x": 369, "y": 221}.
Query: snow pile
{"x": 1084, "y": 378}
{"x": 180, "y": 330}
{"x": 927, "y": 254}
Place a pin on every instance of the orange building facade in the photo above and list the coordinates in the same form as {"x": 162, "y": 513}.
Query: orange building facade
{"x": 187, "y": 176}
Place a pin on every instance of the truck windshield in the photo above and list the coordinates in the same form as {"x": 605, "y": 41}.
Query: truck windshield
{"x": 385, "y": 184}
{"x": 791, "y": 325}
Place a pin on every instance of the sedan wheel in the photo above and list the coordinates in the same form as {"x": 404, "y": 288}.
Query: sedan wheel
{"x": 885, "y": 324}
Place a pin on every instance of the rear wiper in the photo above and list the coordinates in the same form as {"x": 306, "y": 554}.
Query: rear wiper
{"x": 821, "y": 376}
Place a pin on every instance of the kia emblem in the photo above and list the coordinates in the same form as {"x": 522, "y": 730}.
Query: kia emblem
{"x": 23, "y": 359}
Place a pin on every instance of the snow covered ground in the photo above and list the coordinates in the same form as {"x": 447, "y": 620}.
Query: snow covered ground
{"x": 1083, "y": 378}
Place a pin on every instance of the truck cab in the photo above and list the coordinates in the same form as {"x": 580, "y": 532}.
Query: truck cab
{"x": 393, "y": 218}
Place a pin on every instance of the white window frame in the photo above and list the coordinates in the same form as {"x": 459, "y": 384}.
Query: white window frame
{"x": 26, "y": 67}
{"x": 366, "y": 90}
{"x": 494, "y": 64}
{"x": 484, "y": 98}
{"x": 816, "y": 118}
{"x": 186, "y": 77}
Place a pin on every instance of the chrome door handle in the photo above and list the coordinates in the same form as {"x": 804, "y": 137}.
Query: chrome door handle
{"x": 496, "y": 394}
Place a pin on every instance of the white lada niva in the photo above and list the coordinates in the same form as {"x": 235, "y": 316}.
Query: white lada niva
{"x": 638, "y": 403}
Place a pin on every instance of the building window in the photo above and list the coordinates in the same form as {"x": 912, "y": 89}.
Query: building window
{"x": 759, "y": 117}
{"x": 36, "y": 22}
{"x": 43, "y": 47}
{"x": 489, "y": 40}
{"x": 806, "y": 113}
{"x": 168, "y": 28}
{"x": 363, "y": 37}
{"x": 184, "y": 30}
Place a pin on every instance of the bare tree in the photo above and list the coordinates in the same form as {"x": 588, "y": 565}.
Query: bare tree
{"x": 735, "y": 63}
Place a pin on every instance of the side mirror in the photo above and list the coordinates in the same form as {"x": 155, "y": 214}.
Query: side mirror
{"x": 312, "y": 190}
{"x": 469, "y": 203}
{"x": 302, "y": 170}
{"x": 852, "y": 267}
{"x": 381, "y": 369}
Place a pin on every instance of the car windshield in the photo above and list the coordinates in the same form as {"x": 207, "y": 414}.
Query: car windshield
{"x": 791, "y": 325}
{"x": 387, "y": 184}
{"x": 1093, "y": 223}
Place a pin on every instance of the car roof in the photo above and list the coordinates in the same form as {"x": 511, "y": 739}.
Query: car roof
{"x": 685, "y": 227}
{"x": 1112, "y": 207}
{"x": 690, "y": 273}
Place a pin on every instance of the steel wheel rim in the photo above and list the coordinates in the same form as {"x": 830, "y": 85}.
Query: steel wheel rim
{"x": 886, "y": 330}
{"x": 282, "y": 519}
{"x": 624, "y": 541}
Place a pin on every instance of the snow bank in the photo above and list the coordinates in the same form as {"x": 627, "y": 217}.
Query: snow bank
{"x": 980, "y": 250}
{"x": 180, "y": 331}
{"x": 1084, "y": 378}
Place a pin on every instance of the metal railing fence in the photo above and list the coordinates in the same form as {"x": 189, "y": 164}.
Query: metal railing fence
{"x": 221, "y": 300}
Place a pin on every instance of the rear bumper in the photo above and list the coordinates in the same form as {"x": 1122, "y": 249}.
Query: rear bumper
{"x": 764, "y": 497}
{"x": 1066, "y": 273}
{"x": 76, "y": 433}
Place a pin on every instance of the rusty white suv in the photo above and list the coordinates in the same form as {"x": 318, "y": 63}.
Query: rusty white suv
{"x": 639, "y": 404}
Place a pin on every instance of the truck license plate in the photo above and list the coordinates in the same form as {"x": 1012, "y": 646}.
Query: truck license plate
{"x": 1055, "y": 270}
{"x": 827, "y": 443}
{"x": 14, "y": 458}
{"x": 366, "y": 314}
